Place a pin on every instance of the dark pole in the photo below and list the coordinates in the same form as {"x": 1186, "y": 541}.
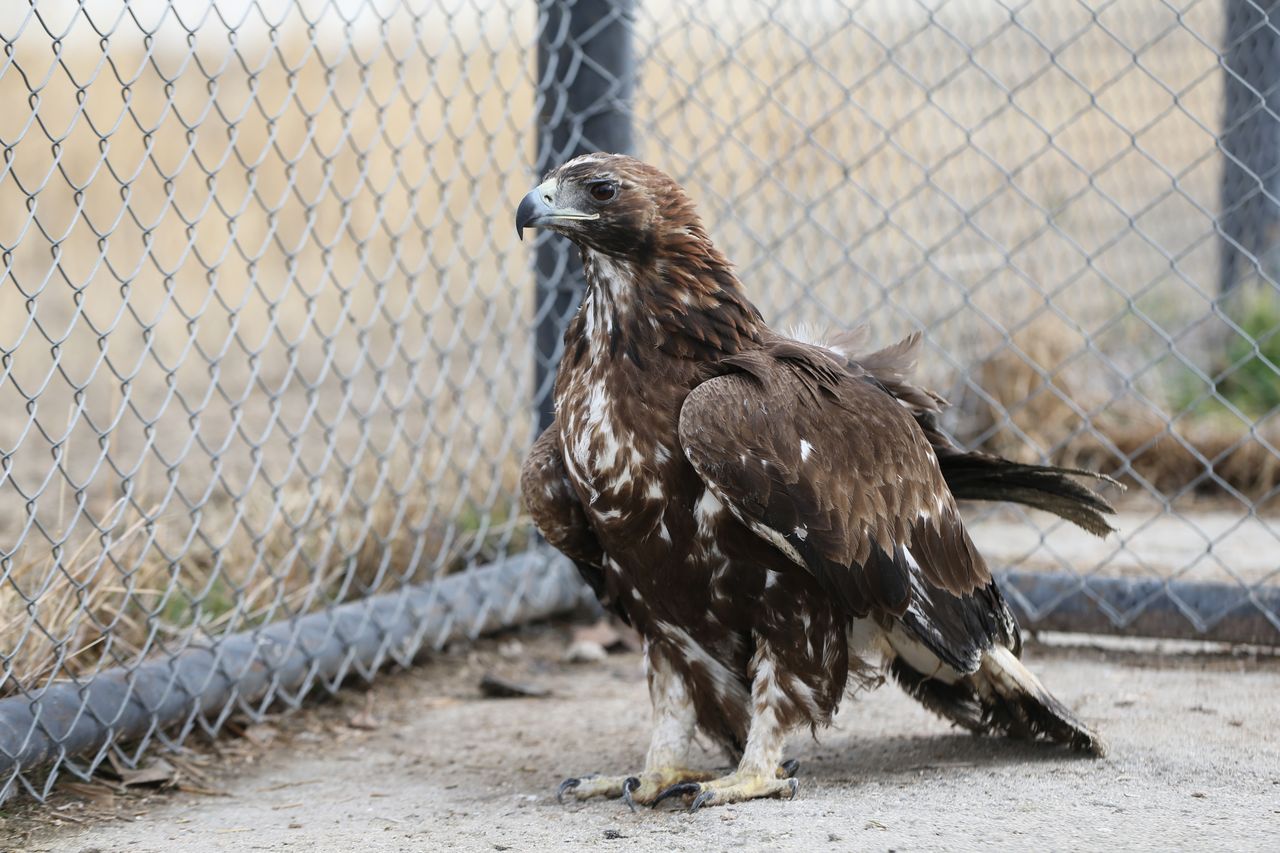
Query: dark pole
{"x": 1250, "y": 217}
{"x": 586, "y": 75}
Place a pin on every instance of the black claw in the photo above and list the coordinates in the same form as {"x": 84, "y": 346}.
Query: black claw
{"x": 566, "y": 785}
{"x": 795, "y": 787}
{"x": 702, "y": 799}
{"x": 790, "y": 768}
{"x": 628, "y": 785}
{"x": 679, "y": 789}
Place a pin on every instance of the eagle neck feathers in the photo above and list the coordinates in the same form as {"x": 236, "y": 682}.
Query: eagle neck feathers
{"x": 679, "y": 298}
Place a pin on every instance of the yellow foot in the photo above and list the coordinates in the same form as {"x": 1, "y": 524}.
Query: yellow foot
{"x": 734, "y": 788}
{"x": 643, "y": 788}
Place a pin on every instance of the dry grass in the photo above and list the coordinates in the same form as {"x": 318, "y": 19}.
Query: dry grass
{"x": 305, "y": 331}
{"x": 1035, "y": 403}
{"x": 295, "y": 337}
{"x": 115, "y": 597}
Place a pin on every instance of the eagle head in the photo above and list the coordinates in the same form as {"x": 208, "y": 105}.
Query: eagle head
{"x": 670, "y": 288}
{"x": 609, "y": 203}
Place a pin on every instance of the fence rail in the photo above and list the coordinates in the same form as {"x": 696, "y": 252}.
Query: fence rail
{"x": 265, "y": 333}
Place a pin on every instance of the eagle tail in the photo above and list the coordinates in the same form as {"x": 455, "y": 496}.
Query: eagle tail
{"x": 1001, "y": 697}
{"x": 983, "y": 477}
{"x": 956, "y": 702}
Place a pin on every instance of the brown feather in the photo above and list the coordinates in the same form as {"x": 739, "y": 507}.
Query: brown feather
{"x": 870, "y": 476}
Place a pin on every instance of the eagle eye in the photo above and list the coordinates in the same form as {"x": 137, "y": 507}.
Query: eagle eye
{"x": 604, "y": 190}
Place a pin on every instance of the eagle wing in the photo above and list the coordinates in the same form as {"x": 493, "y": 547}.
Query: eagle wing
{"x": 971, "y": 474}
{"x": 559, "y": 516}
{"x": 834, "y": 472}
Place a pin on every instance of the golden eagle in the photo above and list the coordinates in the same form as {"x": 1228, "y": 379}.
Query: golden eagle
{"x": 774, "y": 516}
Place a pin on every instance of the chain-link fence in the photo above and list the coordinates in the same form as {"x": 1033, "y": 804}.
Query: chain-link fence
{"x": 270, "y": 354}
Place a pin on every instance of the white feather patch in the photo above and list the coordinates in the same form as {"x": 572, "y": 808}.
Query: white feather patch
{"x": 709, "y": 507}
{"x": 674, "y": 713}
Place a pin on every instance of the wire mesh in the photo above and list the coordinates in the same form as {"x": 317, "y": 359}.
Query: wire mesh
{"x": 267, "y": 341}
{"x": 1077, "y": 201}
{"x": 261, "y": 353}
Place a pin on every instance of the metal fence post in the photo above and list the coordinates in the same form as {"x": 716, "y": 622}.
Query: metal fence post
{"x": 1250, "y": 141}
{"x": 586, "y": 75}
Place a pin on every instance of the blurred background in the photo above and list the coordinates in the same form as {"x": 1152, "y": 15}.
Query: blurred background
{"x": 268, "y": 343}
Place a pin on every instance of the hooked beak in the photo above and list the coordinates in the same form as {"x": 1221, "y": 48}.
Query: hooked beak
{"x": 538, "y": 209}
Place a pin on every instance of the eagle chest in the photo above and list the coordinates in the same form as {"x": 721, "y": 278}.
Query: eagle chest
{"x": 614, "y": 456}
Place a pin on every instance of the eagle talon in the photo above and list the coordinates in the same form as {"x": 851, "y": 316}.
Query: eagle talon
{"x": 736, "y": 788}
{"x": 567, "y": 785}
{"x": 702, "y": 799}
{"x": 628, "y": 785}
{"x": 680, "y": 789}
{"x": 790, "y": 768}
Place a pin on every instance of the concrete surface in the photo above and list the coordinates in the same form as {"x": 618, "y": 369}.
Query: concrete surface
{"x": 421, "y": 762}
{"x": 1220, "y": 545}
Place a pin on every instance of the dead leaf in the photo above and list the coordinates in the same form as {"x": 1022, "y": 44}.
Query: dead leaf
{"x": 364, "y": 718}
{"x": 494, "y": 687}
{"x": 203, "y": 790}
{"x": 609, "y": 634}
{"x": 602, "y": 633}
{"x": 99, "y": 793}
{"x": 364, "y": 721}
{"x": 157, "y": 771}
{"x": 260, "y": 733}
{"x": 585, "y": 651}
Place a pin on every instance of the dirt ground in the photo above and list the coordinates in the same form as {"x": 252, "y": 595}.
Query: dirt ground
{"x": 422, "y": 762}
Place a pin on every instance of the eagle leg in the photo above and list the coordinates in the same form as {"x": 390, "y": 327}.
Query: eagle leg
{"x": 761, "y": 773}
{"x": 667, "y": 761}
